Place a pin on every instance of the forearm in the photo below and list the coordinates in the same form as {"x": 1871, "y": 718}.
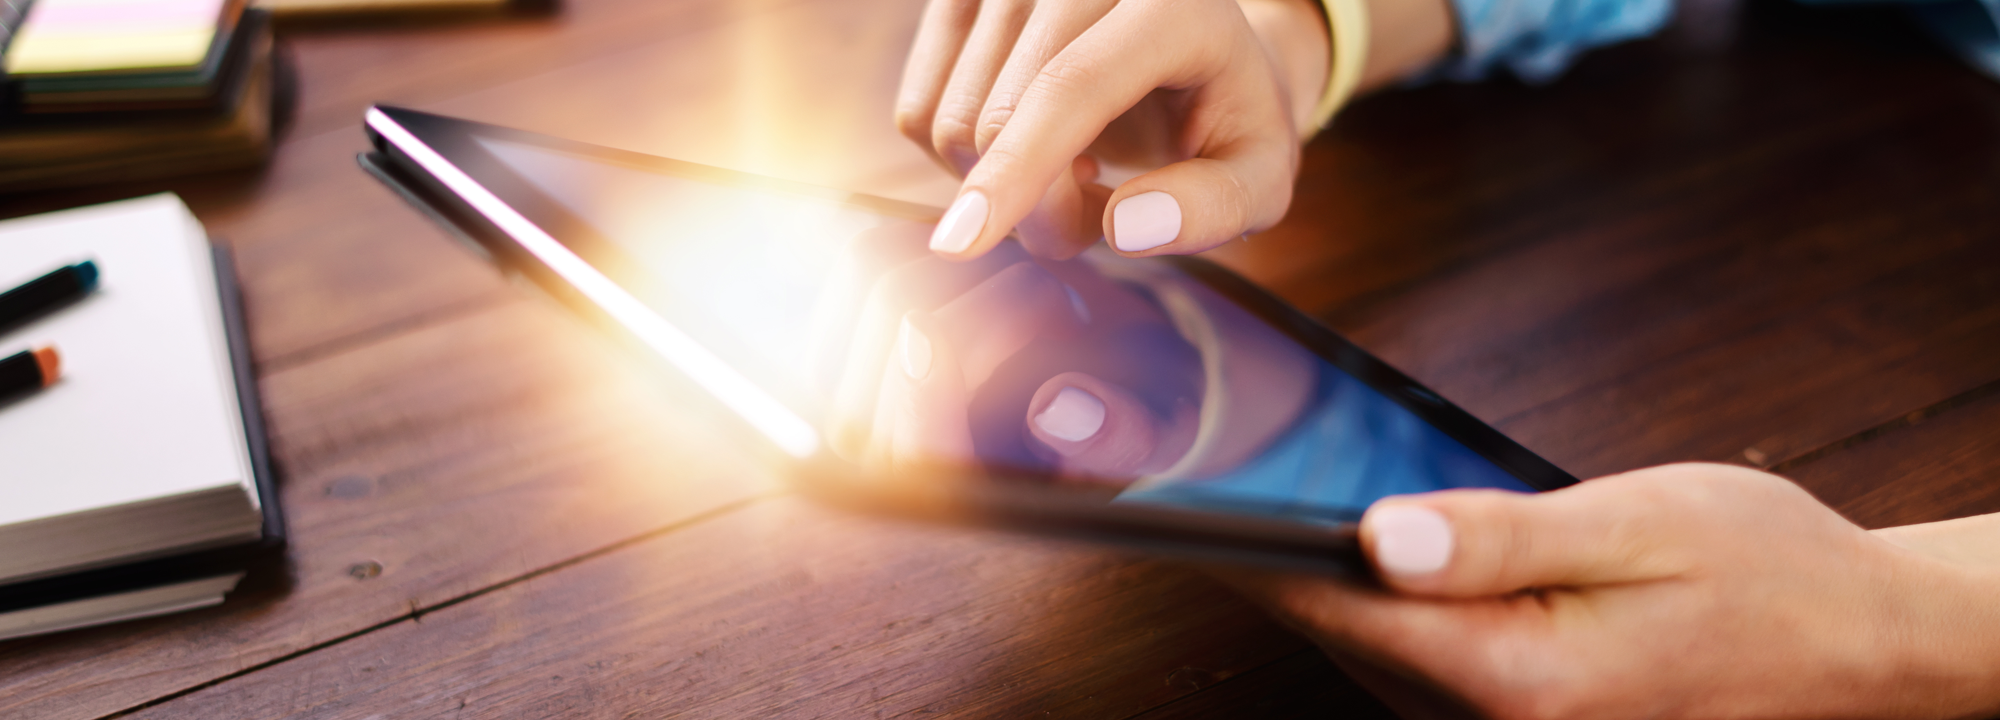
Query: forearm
{"x": 1949, "y": 625}
{"x": 1294, "y": 37}
{"x": 1971, "y": 541}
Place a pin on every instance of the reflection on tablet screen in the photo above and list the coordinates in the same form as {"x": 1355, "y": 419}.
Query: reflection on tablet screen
{"x": 1102, "y": 375}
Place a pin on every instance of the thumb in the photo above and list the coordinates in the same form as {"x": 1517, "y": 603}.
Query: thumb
{"x": 1477, "y": 543}
{"x": 1197, "y": 204}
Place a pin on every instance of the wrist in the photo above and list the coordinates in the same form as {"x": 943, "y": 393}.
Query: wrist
{"x": 1326, "y": 51}
{"x": 1944, "y": 639}
{"x": 1405, "y": 36}
{"x": 1295, "y": 40}
{"x": 1965, "y": 541}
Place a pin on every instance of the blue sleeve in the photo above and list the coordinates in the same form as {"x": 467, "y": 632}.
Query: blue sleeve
{"x": 1537, "y": 39}
{"x": 1969, "y": 27}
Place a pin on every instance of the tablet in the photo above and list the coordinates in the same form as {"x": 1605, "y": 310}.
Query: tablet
{"x": 1162, "y": 403}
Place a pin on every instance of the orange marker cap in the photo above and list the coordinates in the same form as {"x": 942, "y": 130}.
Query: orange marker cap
{"x": 50, "y": 362}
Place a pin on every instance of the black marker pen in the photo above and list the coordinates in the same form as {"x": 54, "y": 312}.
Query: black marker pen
{"x": 29, "y": 370}
{"x": 44, "y": 294}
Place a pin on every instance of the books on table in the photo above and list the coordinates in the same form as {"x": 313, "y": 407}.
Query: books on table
{"x": 115, "y": 90}
{"x": 136, "y": 484}
{"x": 307, "y": 10}
{"x": 129, "y": 42}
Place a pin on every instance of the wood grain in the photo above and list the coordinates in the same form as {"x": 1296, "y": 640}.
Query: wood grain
{"x": 1764, "y": 243}
{"x": 1768, "y": 230}
{"x": 426, "y": 467}
{"x": 330, "y": 257}
{"x": 344, "y": 69}
{"x": 1934, "y": 466}
{"x": 1302, "y": 685}
{"x": 758, "y": 95}
{"x": 356, "y": 304}
{"x": 783, "y": 609}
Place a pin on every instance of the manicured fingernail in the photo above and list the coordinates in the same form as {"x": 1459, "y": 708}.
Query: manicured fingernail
{"x": 916, "y": 352}
{"x": 1075, "y": 415}
{"x": 961, "y": 224}
{"x": 1410, "y": 540}
{"x": 1146, "y": 221}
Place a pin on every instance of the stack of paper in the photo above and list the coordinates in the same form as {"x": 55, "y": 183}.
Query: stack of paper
{"x": 124, "y": 89}
{"x": 309, "y": 10}
{"x": 137, "y": 484}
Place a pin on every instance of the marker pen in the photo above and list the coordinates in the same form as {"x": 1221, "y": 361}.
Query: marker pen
{"x": 29, "y": 370}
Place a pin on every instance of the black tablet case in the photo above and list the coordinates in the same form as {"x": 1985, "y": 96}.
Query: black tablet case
{"x": 263, "y": 554}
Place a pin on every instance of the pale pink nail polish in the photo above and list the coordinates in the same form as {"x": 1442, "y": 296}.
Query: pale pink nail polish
{"x": 1074, "y": 415}
{"x": 961, "y": 224}
{"x": 1146, "y": 221}
{"x": 1410, "y": 540}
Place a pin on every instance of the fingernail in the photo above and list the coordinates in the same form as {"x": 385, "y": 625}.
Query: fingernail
{"x": 961, "y": 224}
{"x": 1146, "y": 221}
{"x": 1410, "y": 540}
{"x": 1075, "y": 415}
{"x": 916, "y": 352}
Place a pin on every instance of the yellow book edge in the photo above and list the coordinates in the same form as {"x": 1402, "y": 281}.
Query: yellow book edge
{"x": 294, "y": 9}
{"x": 45, "y": 53}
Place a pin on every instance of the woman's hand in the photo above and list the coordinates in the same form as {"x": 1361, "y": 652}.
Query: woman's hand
{"x": 1023, "y": 98}
{"x": 1685, "y": 590}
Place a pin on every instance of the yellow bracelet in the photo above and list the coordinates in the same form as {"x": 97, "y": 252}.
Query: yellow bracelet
{"x": 1347, "y": 30}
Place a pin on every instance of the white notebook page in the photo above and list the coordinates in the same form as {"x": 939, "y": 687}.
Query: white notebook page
{"x": 147, "y": 406}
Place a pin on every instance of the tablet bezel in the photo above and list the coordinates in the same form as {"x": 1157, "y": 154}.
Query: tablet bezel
{"x": 421, "y": 155}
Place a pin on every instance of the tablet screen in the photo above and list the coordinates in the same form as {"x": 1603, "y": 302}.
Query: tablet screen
{"x": 1102, "y": 376}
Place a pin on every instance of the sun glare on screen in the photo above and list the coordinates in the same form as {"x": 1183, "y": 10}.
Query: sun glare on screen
{"x": 741, "y": 271}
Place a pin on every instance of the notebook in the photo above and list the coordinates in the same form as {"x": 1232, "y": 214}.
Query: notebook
{"x": 136, "y": 484}
{"x": 44, "y": 151}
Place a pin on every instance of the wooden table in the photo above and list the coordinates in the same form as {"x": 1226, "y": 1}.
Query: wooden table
{"x": 1771, "y": 236}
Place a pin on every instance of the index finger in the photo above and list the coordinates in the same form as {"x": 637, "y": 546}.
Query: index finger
{"x": 1103, "y": 73}
{"x": 940, "y": 36}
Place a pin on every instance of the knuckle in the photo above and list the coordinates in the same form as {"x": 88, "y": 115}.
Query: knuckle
{"x": 1513, "y": 539}
{"x": 1238, "y": 201}
{"x": 991, "y": 123}
{"x": 1066, "y": 74}
{"x": 951, "y": 131}
{"x": 913, "y": 123}
{"x": 1491, "y": 542}
{"x": 1256, "y": 197}
{"x": 1273, "y": 202}
{"x": 1485, "y": 511}
{"x": 1274, "y": 180}
{"x": 1670, "y": 490}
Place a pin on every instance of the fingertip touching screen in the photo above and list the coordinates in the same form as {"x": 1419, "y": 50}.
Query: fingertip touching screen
{"x": 1127, "y": 380}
